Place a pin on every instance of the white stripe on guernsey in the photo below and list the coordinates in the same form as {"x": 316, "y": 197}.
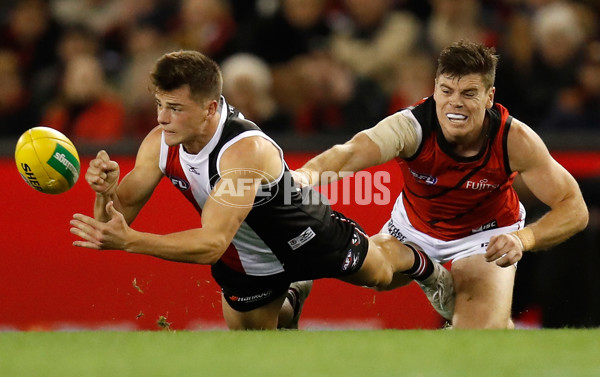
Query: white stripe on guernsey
{"x": 164, "y": 151}
{"x": 255, "y": 256}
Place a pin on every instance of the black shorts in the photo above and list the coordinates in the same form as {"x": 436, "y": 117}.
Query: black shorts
{"x": 340, "y": 253}
{"x": 246, "y": 292}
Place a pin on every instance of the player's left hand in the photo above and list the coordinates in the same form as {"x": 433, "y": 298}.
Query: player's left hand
{"x": 98, "y": 235}
{"x": 504, "y": 249}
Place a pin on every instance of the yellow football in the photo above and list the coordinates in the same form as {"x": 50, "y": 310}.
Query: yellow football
{"x": 47, "y": 160}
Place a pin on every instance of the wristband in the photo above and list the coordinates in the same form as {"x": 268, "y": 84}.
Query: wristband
{"x": 526, "y": 237}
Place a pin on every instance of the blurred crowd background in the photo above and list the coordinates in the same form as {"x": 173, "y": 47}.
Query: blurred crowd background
{"x": 309, "y": 70}
{"x": 296, "y": 67}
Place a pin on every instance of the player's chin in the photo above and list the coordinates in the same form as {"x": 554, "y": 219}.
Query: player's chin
{"x": 171, "y": 138}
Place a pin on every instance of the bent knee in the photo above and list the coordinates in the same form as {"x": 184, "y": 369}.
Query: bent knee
{"x": 378, "y": 279}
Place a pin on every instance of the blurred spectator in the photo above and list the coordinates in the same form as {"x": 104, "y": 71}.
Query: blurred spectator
{"x": 333, "y": 98}
{"x": 98, "y": 15}
{"x": 145, "y": 44}
{"x": 32, "y": 34}
{"x": 549, "y": 52}
{"x": 453, "y": 20}
{"x": 86, "y": 111}
{"x": 247, "y": 85}
{"x": 16, "y": 112}
{"x": 413, "y": 81}
{"x": 207, "y": 26}
{"x": 111, "y": 20}
{"x": 298, "y": 27}
{"x": 578, "y": 106}
{"x": 377, "y": 38}
{"x": 102, "y": 16}
{"x": 75, "y": 40}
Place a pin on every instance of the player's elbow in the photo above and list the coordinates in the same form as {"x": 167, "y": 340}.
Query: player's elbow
{"x": 575, "y": 212}
{"x": 582, "y": 218}
{"x": 213, "y": 251}
{"x": 580, "y": 214}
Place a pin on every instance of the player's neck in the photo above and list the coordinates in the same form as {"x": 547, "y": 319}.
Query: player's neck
{"x": 472, "y": 143}
{"x": 206, "y": 133}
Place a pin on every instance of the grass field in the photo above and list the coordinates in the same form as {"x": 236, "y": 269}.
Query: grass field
{"x": 560, "y": 353}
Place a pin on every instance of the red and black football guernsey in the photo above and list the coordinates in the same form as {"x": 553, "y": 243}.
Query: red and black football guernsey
{"x": 448, "y": 196}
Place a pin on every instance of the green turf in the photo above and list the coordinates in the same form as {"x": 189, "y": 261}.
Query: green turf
{"x": 560, "y": 353}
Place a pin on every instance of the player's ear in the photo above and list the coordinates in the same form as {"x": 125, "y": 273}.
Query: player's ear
{"x": 212, "y": 108}
{"x": 490, "y": 98}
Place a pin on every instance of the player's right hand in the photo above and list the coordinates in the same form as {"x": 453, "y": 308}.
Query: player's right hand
{"x": 102, "y": 174}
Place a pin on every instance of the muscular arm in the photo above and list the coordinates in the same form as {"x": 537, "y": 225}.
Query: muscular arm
{"x": 550, "y": 183}
{"x": 394, "y": 136}
{"x": 247, "y": 162}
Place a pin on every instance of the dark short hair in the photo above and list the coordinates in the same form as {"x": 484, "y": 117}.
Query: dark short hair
{"x": 464, "y": 58}
{"x": 201, "y": 73}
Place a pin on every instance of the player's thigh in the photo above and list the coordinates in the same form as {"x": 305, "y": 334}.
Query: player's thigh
{"x": 484, "y": 293}
{"x": 261, "y": 318}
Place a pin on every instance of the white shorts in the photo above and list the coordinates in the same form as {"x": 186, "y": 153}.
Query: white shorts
{"x": 444, "y": 251}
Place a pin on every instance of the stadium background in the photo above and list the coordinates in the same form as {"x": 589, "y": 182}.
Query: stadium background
{"x": 47, "y": 284}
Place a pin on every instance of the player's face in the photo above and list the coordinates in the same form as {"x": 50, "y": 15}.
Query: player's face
{"x": 182, "y": 119}
{"x": 461, "y": 104}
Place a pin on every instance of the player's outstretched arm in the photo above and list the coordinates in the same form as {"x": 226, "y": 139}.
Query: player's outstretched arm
{"x": 553, "y": 185}
{"x": 190, "y": 246}
{"x": 394, "y": 136}
{"x": 244, "y": 167}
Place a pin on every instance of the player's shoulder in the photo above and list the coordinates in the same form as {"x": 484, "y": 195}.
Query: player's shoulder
{"x": 251, "y": 149}
{"x": 524, "y": 146}
{"x": 520, "y": 132}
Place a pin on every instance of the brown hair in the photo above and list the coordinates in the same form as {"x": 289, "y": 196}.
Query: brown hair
{"x": 201, "y": 73}
{"x": 463, "y": 58}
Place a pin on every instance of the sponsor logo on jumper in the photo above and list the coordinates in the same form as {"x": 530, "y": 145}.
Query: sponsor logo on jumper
{"x": 351, "y": 260}
{"x": 193, "y": 169}
{"x": 180, "y": 183}
{"x": 253, "y": 298}
{"x": 424, "y": 178}
{"x": 307, "y": 235}
{"x": 481, "y": 185}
